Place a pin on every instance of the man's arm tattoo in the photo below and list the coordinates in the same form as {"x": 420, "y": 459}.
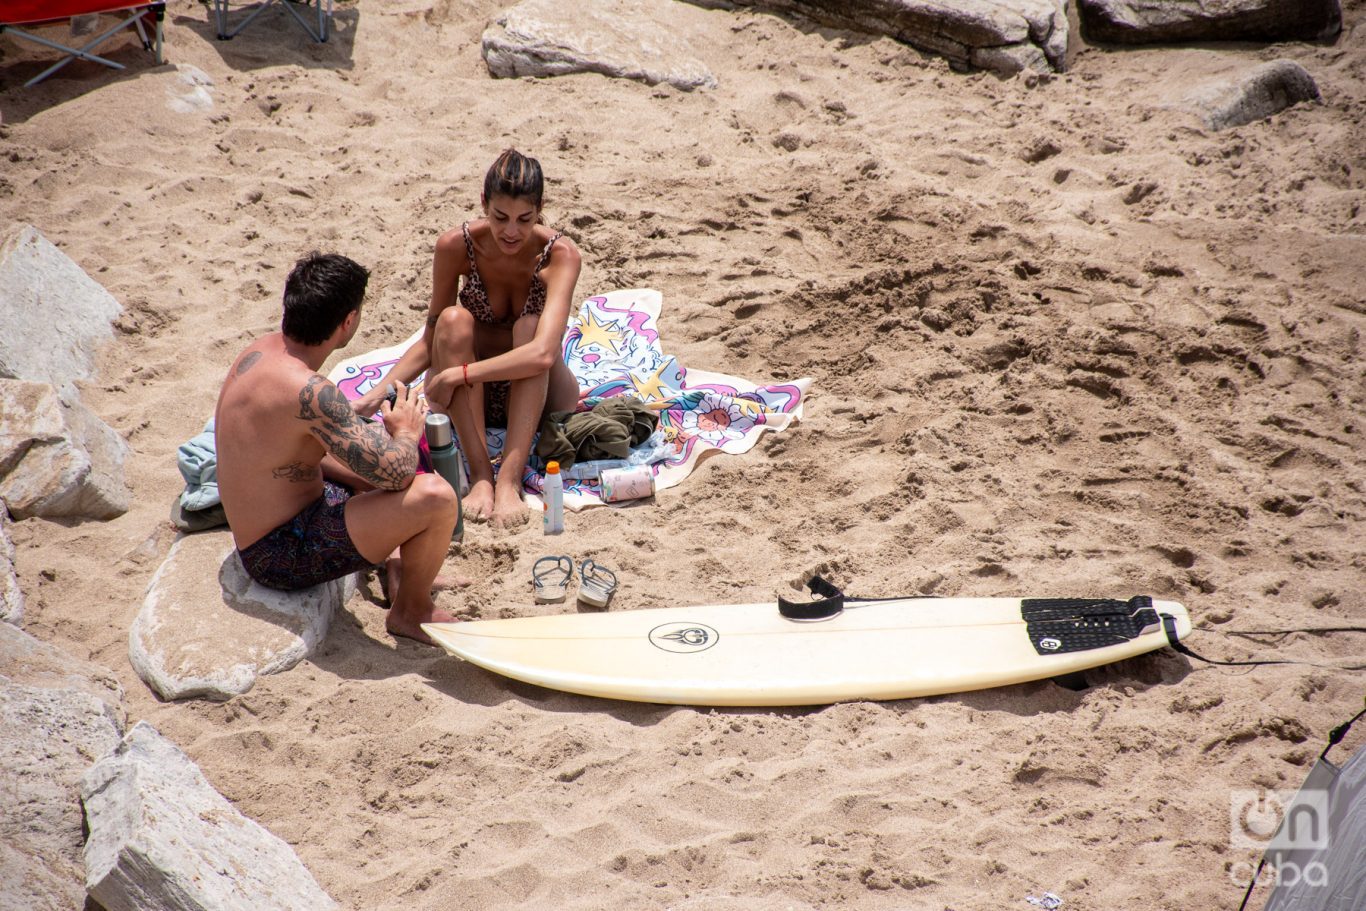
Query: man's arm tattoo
{"x": 361, "y": 445}
{"x": 295, "y": 472}
{"x": 307, "y": 396}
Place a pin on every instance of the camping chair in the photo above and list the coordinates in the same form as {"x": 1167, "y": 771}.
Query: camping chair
{"x": 220, "y": 10}
{"x": 37, "y": 12}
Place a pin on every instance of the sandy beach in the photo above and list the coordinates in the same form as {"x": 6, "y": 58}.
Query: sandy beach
{"x": 1063, "y": 340}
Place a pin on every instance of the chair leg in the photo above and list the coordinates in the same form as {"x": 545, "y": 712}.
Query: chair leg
{"x": 81, "y": 53}
{"x": 84, "y": 51}
{"x": 221, "y": 6}
{"x": 320, "y": 35}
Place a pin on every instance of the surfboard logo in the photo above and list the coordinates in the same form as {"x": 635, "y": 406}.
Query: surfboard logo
{"x": 1050, "y": 643}
{"x": 684, "y": 637}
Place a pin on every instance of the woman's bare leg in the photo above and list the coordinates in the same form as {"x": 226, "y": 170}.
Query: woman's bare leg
{"x": 455, "y": 343}
{"x": 526, "y": 403}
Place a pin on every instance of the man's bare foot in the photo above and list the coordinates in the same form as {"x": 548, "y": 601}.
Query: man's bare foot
{"x": 445, "y": 583}
{"x": 411, "y": 627}
{"x": 509, "y": 510}
{"x": 393, "y": 572}
{"x": 478, "y": 502}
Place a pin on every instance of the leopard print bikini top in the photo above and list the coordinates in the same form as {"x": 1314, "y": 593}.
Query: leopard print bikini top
{"x": 474, "y": 297}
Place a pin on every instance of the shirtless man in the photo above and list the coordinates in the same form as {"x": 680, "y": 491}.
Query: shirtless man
{"x": 285, "y": 435}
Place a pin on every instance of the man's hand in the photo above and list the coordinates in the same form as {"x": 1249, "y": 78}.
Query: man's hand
{"x": 407, "y": 416}
{"x": 385, "y": 460}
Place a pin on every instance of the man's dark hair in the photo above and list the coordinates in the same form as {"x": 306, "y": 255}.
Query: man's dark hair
{"x": 319, "y": 293}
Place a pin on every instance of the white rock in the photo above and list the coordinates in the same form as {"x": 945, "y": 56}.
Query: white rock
{"x": 57, "y": 459}
{"x": 11, "y": 595}
{"x": 1010, "y": 59}
{"x": 1003, "y": 35}
{"x": 162, "y": 839}
{"x": 1148, "y": 21}
{"x": 644, "y": 40}
{"x": 207, "y": 629}
{"x": 27, "y": 660}
{"x": 1253, "y": 95}
{"x": 54, "y": 315}
{"x": 189, "y": 93}
{"x": 58, "y": 715}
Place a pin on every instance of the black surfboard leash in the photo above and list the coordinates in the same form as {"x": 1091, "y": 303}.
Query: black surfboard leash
{"x": 1169, "y": 627}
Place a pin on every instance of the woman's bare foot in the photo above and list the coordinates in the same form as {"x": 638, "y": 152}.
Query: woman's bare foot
{"x": 478, "y": 503}
{"x": 509, "y": 510}
{"x": 410, "y": 627}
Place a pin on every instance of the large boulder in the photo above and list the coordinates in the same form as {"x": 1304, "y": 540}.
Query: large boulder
{"x": 162, "y": 839}
{"x": 11, "y": 595}
{"x": 58, "y": 714}
{"x": 1000, "y": 35}
{"x": 208, "y": 629}
{"x": 1254, "y": 95}
{"x": 57, "y": 459}
{"x": 53, "y": 313}
{"x": 644, "y": 40}
{"x": 1162, "y": 21}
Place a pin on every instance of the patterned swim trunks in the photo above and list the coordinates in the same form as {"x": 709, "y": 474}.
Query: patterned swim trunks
{"x": 311, "y": 548}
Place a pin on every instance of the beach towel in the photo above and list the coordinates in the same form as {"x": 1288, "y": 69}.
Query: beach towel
{"x": 613, "y": 347}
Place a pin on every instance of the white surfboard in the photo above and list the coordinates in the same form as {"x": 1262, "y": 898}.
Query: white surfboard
{"x": 750, "y": 655}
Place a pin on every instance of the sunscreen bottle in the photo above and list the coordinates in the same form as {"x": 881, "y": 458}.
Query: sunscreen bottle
{"x": 446, "y": 461}
{"x": 552, "y": 494}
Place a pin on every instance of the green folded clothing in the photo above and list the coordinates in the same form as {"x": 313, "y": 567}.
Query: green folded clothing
{"x": 607, "y": 432}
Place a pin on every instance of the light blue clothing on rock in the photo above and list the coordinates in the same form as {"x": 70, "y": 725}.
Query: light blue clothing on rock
{"x": 198, "y": 463}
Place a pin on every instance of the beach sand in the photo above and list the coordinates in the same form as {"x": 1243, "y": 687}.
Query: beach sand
{"x": 1064, "y": 341}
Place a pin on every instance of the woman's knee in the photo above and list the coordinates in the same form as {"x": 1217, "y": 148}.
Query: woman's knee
{"x": 455, "y": 327}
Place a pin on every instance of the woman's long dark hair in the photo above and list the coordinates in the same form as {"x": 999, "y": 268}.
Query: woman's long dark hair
{"x": 515, "y": 175}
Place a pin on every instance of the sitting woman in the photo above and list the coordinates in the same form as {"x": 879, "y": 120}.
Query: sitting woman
{"x": 493, "y": 351}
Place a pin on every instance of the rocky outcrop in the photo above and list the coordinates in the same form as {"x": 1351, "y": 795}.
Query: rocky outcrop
{"x": 1162, "y": 21}
{"x": 1254, "y": 95}
{"x": 162, "y": 839}
{"x": 644, "y": 40}
{"x": 11, "y": 595}
{"x": 207, "y": 629}
{"x": 57, "y": 716}
{"x": 1004, "y": 36}
{"x": 57, "y": 459}
{"x": 53, "y": 313}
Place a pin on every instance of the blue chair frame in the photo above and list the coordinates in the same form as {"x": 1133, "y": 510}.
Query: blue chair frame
{"x": 154, "y": 43}
{"x": 319, "y": 34}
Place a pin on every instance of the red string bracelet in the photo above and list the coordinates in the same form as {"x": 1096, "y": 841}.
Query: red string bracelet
{"x": 466, "y": 368}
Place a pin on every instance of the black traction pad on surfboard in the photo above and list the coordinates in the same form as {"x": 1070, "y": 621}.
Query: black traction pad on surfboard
{"x": 1058, "y": 625}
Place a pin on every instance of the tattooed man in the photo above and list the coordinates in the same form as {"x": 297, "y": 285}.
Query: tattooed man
{"x": 313, "y": 492}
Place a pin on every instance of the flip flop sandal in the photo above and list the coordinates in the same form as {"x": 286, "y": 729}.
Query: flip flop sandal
{"x": 596, "y": 584}
{"x": 550, "y": 578}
